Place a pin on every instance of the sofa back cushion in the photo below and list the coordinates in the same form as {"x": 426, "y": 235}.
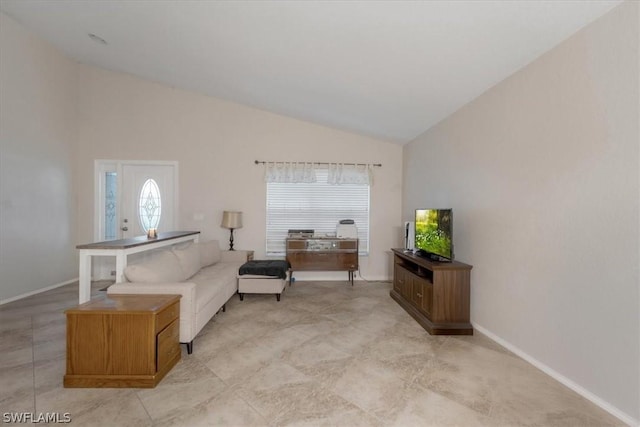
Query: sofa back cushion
{"x": 189, "y": 259}
{"x": 162, "y": 267}
{"x": 209, "y": 253}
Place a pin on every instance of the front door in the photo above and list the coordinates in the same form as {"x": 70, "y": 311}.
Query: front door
{"x": 131, "y": 197}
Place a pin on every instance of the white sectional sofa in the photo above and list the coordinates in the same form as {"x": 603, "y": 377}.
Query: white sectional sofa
{"x": 204, "y": 275}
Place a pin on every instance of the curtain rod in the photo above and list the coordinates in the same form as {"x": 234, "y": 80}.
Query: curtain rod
{"x": 379, "y": 165}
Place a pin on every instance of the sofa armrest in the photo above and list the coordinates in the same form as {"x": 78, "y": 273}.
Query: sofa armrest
{"x": 187, "y": 303}
{"x": 186, "y": 289}
{"x": 235, "y": 256}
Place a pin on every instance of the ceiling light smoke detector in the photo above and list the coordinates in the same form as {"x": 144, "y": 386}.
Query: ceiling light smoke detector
{"x": 97, "y": 39}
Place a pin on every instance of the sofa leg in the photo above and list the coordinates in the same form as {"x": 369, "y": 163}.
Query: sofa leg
{"x": 224, "y": 308}
{"x": 278, "y": 297}
{"x": 241, "y": 296}
{"x": 190, "y": 347}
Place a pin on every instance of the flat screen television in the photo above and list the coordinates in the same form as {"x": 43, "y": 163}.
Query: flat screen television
{"x": 433, "y": 234}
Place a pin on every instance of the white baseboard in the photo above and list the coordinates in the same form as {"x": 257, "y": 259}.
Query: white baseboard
{"x": 37, "y": 291}
{"x": 359, "y": 278}
{"x": 622, "y": 416}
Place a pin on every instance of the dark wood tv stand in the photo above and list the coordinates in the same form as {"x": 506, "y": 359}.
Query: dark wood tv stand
{"x": 436, "y": 294}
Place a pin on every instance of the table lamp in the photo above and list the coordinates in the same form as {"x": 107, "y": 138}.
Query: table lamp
{"x": 231, "y": 220}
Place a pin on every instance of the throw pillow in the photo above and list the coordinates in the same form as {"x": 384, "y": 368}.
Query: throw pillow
{"x": 189, "y": 259}
{"x": 163, "y": 267}
{"x": 209, "y": 253}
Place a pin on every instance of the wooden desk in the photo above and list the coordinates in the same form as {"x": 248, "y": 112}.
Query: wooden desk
{"x": 323, "y": 254}
{"x": 121, "y": 249}
{"x": 122, "y": 341}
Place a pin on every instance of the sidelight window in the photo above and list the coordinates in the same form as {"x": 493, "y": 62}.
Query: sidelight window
{"x": 110, "y": 206}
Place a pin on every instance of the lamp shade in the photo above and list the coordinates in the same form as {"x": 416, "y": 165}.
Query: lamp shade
{"x": 232, "y": 219}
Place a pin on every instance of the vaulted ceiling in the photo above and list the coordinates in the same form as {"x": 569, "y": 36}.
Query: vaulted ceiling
{"x": 387, "y": 69}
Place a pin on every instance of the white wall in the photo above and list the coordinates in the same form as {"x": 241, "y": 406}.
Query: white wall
{"x": 216, "y": 143}
{"x": 57, "y": 117}
{"x": 542, "y": 173}
{"x": 37, "y": 131}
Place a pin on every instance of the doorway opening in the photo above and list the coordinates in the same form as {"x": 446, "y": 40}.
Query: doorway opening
{"x": 132, "y": 196}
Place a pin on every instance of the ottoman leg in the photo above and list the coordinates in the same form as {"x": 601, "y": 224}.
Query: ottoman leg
{"x": 224, "y": 308}
{"x": 241, "y": 296}
{"x": 278, "y": 297}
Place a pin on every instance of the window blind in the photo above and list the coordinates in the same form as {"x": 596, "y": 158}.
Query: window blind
{"x": 318, "y": 206}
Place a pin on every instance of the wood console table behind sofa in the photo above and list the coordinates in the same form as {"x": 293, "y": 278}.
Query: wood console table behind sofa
{"x": 121, "y": 249}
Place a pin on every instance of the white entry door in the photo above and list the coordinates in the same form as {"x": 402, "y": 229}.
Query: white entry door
{"x": 132, "y": 196}
{"x": 148, "y": 199}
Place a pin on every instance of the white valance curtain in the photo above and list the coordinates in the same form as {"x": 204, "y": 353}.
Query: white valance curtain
{"x": 288, "y": 172}
{"x": 339, "y": 173}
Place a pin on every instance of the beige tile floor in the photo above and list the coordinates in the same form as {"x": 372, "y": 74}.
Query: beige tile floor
{"x": 328, "y": 354}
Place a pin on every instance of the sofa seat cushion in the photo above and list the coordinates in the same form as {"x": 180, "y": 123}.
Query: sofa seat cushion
{"x": 212, "y": 280}
{"x": 222, "y": 271}
{"x": 205, "y": 292}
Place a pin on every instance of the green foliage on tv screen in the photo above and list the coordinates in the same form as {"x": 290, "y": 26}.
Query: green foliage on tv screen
{"x": 429, "y": 236}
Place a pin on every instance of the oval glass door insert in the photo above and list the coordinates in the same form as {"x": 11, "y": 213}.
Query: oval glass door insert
{"x": 149, "y": 205}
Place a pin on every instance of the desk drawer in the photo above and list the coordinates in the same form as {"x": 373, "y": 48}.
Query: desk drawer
{"x": 167, "y": 316}
{"x": 318, "y": 261}
{"x": 348, "y": 244}
{"x": 168, "y": 344}
{"x": 296, "y": 244}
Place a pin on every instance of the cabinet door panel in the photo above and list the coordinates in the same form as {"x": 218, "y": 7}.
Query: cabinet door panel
{"x": 427, "y": 299}
{"x": 321, "y": 261}
{"x": 417, "y": 291}
{"x": 398, "y": 279}
{"x": 168, "y": 344}
{"x": 348, "y": 261}
{"x": 301, "y": 260}
{"x": 421, "y": 293}
{"x": 406, "y": 287}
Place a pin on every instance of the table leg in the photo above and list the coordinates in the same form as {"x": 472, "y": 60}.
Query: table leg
{"x": 84, "y": 279}
{"x": 121, "y": 264}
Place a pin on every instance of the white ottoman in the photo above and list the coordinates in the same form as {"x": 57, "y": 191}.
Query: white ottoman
{"x": 250, "y": 284}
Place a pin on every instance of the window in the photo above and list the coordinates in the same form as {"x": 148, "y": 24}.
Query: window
{"x": 318, "y": 206}
{"x": 149, "y": 205}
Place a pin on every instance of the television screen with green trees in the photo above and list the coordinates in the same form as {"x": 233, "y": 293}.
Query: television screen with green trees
{"x": 433, "y": 232}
